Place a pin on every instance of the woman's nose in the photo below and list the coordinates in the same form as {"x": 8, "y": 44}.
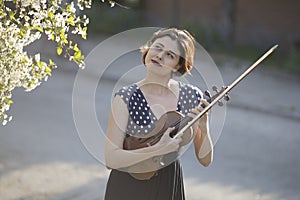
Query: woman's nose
{"x": 160, "y": 55}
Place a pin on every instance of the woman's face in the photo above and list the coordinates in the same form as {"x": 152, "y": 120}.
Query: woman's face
{"x": 163, "y": 56}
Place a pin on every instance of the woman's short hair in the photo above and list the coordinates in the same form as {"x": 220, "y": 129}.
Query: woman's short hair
{"x": 186, "y": 44}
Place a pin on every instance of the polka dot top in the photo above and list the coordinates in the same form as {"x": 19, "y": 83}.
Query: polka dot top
{"x": 141, "y": 118}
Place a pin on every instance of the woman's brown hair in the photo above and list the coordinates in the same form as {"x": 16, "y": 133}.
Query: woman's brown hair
{"x": 186, "y": 44}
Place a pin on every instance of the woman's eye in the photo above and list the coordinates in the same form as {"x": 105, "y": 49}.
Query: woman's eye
{"x": 158, "y": 47}
{"x": 170, "y": 55}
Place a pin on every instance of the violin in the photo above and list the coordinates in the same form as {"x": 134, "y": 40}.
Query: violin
{"x": 169, "y": 119}
{"x": 182, "y": 126}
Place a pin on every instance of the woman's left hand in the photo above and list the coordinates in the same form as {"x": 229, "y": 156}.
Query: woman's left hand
{"x": 202, "y": 122}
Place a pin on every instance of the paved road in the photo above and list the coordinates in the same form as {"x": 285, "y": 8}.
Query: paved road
{"x": 256, "y": 156}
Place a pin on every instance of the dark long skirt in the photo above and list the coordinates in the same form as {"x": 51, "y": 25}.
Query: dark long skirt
{"x": 167, "y": 185}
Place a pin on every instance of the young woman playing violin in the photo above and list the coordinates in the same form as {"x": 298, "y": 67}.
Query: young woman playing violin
{"x": 135, "y": 111}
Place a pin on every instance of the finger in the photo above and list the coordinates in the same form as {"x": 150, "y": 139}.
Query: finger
{"x": 170, "y": 129}
{"x": 192, "y": 115}
{"x": 205, "y": 115}
{"x": 194, "y": 111}
{"x": 178, "y": 135}
{"x": 176, "y": 139}
{"x": 202, "y": 105}
{"x": 204, "y": 101}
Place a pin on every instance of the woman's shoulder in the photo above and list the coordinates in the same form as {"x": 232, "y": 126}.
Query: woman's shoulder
{"x": 188, "y": 88}
{"x": 189, "y": 97}
{"x": 126, "y": 90}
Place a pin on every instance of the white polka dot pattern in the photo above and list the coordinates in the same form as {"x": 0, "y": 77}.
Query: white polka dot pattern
{"x": 141, "y": 119}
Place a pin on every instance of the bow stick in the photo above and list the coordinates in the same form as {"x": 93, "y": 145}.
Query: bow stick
{"x": 226, "y": 90}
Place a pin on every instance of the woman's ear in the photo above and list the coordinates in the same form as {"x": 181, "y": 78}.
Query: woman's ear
{"x": 177, "y": 67}
{"x": 175, "y": 71}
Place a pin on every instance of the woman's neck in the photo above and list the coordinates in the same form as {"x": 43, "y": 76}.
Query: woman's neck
{"x": 155, "y": 84}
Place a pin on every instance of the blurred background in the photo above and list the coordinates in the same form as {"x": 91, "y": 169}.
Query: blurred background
{"x": 256, "y": 157}
{"x": 234, "y": 27}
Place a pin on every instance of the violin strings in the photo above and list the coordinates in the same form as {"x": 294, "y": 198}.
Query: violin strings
{"x": 177, "y": 124}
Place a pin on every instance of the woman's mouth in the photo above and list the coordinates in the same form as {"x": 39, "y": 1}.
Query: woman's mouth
{"x": 155, "y": 62}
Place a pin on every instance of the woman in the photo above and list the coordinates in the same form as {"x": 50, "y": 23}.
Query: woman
{"x": 136, "y": 108}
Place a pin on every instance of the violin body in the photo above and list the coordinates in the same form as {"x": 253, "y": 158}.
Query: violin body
{"x": 148, "y": 168}
{"x": 166, "y": 121}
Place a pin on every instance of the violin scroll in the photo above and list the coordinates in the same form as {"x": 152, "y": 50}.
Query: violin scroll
{"x": 210, "y": 98}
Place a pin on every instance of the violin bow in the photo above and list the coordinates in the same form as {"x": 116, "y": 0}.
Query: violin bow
{"x": 226, "y": 90}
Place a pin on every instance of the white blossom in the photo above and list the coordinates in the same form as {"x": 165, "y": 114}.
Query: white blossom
{"x": 31, "y": 19}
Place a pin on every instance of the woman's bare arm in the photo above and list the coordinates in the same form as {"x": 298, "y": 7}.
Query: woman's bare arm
{"x": 202, "y": 141}
{"x": 115, "y": 156}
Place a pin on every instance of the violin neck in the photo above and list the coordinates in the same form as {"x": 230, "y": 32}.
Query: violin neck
{"x": 180, "y": 124}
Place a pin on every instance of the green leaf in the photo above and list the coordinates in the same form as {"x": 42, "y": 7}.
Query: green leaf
{"x": 71, "y": 21}
{"x": 59, "y": 51}
{"x": 68, "y": 8}
{"x": 41, "y": 64}
{"x": 38, "y": 28}
{"x": 12, "y": 15}
{"x": 22, "y": 33}
{"x": 9, "y": 102}
{"x": 84, "y": 35}
{"x": 48, "y": 71}
{"x": 51, "y": 15}
{"x": 77, "y": 55}
{"x": 51, "y": 63}
{"x": 75, "y": 48}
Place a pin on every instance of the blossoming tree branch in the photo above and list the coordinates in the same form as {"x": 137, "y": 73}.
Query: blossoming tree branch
{"x": 24, "y": 21}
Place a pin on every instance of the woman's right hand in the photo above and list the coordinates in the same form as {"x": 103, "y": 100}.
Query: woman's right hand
{"x": 168, "y": 144}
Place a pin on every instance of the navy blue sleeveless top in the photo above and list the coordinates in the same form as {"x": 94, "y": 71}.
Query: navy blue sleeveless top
{"x": 141, "y": 118}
